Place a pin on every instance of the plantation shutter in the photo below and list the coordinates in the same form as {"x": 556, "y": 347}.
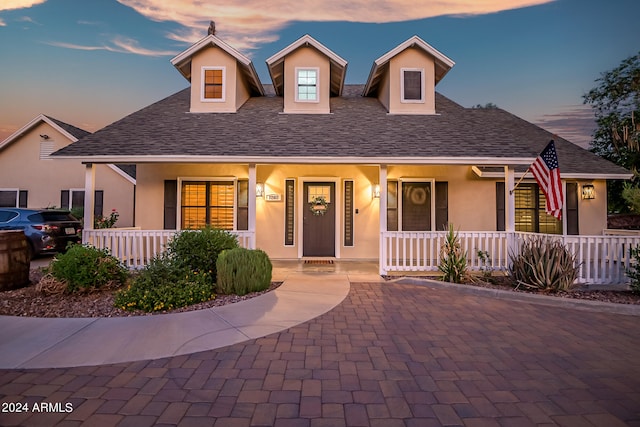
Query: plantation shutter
{"x": 442, "y": 205}
{"x": 22, "y": 199}
{"x": 170, "y": 203}
{"x": 572, "y": 208}
{"x": 98, "y": 203}
{"x": 64, "y": 199}
{"x": 500, "y": 206}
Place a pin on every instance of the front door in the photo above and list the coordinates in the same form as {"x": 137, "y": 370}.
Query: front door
{"x": 319, "y": 219}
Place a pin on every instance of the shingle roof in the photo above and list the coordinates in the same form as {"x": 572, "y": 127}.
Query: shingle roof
{"x": 75, "y": 131}
{"x": 358, "y": 127}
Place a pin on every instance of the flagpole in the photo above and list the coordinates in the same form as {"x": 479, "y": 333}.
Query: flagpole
{"x": 519, "y": 181}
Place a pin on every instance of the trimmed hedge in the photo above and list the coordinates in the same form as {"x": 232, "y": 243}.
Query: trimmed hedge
{"x": 241, "y": 271}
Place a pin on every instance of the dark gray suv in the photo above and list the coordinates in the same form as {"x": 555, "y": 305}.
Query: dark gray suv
{"x": 48, "y": 230}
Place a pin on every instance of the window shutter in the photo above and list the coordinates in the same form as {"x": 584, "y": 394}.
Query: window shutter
{"x": 572, "y": 208}
{"x": 64, "y": 199}
{"x": 348, "y": 213}
{"x": 243, "y": 204}
{"x": 22, "y": 199}
{"x": 392, "y": 205}
{"x": 98, "y": 203}
{"x": 500, "y": 206}
{"x": 289, "y": 212}
{"x": 170, "y": 203}
{"x": 442, "y": 205}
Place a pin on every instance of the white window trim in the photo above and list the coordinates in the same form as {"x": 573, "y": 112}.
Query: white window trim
{"x": 317, "y": 70}
{"x": 432, "y": 181}
{"x": 422, "y": 89}
{"x": 224, "y": 84}
{"x": 234, "y": 180}
{"x": 13, "y": 190}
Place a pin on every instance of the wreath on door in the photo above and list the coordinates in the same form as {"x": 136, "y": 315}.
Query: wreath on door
{"x": 318, "y": 205}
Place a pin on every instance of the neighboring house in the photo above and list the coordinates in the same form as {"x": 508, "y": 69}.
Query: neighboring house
{"x": 311, "y": 167}
{"x": 31, "y": 178}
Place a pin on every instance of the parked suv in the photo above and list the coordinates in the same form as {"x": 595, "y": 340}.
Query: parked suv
{"x": 47, "y": 230}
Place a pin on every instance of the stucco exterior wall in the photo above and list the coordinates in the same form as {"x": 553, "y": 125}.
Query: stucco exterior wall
{"x": 411, "y": 59}
{"x": 592, "y": 213}
{"x": 21, "y": 168}
{"x": 306, "y": 57}
{"x": 214, "y": 57}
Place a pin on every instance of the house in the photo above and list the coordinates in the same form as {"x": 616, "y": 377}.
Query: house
{"x": 31, "y": 178}
{"x": 311, "y": 167}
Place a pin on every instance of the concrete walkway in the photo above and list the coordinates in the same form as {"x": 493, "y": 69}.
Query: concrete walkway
{"x": 64, "y": 342}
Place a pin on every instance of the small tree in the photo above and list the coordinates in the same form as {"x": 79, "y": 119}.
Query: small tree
{"x": 453, "y": 260}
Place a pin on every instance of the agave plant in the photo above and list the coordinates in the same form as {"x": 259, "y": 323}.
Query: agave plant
{"x": 453, "y": 260}
{"x": 545, "y": 265}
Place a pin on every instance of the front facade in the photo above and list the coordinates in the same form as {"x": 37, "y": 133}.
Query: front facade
{"x": 31, "y": 178}
{"x": 311, "y": 167}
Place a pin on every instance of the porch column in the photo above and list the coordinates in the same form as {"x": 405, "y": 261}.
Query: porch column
{"x": 383, "y": 219}
{"x": 510, "y": 210}
{"x": 252, "y": 204}
{"x": 89, "y": 195}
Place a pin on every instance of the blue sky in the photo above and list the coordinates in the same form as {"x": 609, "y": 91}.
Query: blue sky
{"x": 90, "y": 63}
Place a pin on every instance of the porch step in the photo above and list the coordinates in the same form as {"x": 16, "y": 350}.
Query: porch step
{"x": 318, "y": 261}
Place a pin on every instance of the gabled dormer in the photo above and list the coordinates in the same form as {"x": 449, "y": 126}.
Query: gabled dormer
{"x": 306, "y": 74}
{"x": 222, "y": 79}
{"x": 404, "y": 78}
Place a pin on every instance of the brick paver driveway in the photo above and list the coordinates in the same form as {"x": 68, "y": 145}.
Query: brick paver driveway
{"x": 389, "y": 355}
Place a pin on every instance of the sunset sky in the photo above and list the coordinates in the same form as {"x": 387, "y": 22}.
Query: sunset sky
{"x": 90, "y": 63}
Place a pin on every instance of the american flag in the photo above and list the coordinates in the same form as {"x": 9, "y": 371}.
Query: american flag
{"x": 547, "y": 173}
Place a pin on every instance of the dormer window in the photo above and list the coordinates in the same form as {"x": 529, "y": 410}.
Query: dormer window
{"x": 412, "y": 87}
{"x": 213, "y": 79}
{"x": 307, "y": 84}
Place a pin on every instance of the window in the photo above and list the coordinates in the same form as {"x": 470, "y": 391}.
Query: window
{"x": 73, "y": 199}
{"x": 307, "y": 84}
{"x": 411, "y": 206}
{"x": 412, "y": 88}
{"x": 530, "y": 211}
{"x": 207, "y": 203}
{"x": 9, "y": 198}
{"x": 213, "y": 84}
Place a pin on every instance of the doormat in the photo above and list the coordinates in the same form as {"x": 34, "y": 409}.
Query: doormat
{"x": 318, "y": 261}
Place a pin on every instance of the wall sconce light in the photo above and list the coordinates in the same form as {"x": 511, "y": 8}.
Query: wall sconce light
{"x": 588, "y": 191}
{"x": 375, "y": 191}
{"x": 260, "y": 189}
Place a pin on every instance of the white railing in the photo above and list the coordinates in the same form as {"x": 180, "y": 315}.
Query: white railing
{"x": 135, "y": 247}
{"x": 420, "y": 250}
{"x": 600, "y": 259}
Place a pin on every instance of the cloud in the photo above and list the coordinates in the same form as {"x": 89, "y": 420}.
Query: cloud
{"x": 250, "y": 23}
{"x": 2, "y": 23}
{"x": 118, "y": 45}
{"x": 575, "y": 123}
{"x": 19, "y": 4}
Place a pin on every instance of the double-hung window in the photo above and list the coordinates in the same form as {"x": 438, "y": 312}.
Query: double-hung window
{"x": 412, "y": 85}
{"x": 307, "y": 85}
{"x": 213, "y": 84}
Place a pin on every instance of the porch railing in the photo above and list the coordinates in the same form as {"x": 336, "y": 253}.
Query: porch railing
{"x": 135, "y": 247}
{"x": 600, "y": 259}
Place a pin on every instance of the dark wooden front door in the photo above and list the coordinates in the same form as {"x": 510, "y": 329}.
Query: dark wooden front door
{"x": 319, "y": 229}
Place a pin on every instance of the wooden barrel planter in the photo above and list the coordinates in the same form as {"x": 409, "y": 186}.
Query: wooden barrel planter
{"x": 14, "y": 260}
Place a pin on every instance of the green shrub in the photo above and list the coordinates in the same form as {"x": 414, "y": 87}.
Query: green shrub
{"x": 161, "y": 285}
{"x": 453, "y": 260}
{"x": 84, "y": 267}
{"x": 545, "y": 265}
{"x": 198, "y": 250}
{"x": 634, "y": 270}
{"x": 241, "y": 271}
